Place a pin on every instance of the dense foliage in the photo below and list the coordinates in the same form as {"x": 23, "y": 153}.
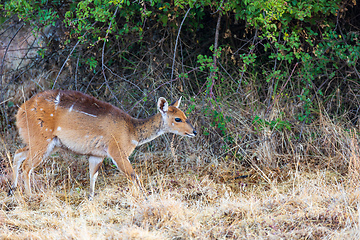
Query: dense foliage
{"x": 302, "y": 52}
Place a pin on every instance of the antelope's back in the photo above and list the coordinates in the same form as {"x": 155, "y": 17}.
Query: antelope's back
{"x": 43, "y": 114}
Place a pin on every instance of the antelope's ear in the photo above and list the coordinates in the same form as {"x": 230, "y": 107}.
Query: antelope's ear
{"x": 162, "y": 105}
{"x": 176, "y": 103}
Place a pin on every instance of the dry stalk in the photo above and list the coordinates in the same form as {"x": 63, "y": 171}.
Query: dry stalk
{"x": 266, "y": 149}
{"x": 173, "y": 150}
{"x": 354, "y": 161}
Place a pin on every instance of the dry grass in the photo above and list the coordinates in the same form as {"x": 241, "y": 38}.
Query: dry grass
{"x": 316, "y": 205}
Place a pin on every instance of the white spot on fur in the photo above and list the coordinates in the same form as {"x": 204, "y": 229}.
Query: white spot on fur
{"x": 71, "y": 108}
{"x": 173, "y": 124}
{"x": 50, "y": 130}
{"x": 57, "y": 99}
{"x": 134, "y": 142}
{"x": 59, "y": 128}
{"x": 86, "y": 136}
{"x": 51, "y": 115}
{"x": 46, "y": 129}
{"x": 48, "y": 139}
{"x": 41, "y": 109}
{"x": 91, "y": 115}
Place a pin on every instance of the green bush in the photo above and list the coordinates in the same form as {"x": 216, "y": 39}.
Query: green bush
{"x": 293, "y": 48}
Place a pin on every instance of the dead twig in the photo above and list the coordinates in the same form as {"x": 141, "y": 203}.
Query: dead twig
{"x": 62, "y": 67}
{"x": 212, "y": 73}
{"x": 168, "y": 82}
{"x": 3, "y": 59}
{"x": 103, "y": 67}
{"x": 176, "y": 43}
{"x": 282, "y": 89}
{"x": 72, "y": 50}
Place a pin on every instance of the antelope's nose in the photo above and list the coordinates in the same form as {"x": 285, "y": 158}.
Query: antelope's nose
{"x": 195, "y": 132}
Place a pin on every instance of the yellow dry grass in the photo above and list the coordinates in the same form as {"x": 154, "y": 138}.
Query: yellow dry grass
{"x": 308, "y": 205}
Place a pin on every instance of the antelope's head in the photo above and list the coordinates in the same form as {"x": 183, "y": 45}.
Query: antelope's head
{"x": 174, "y": 119}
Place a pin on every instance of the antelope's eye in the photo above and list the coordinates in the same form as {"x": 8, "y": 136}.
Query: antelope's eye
{"x": 177, "y": 119}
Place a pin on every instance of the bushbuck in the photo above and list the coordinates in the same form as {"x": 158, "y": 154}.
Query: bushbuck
{"x": 85, "y": 125}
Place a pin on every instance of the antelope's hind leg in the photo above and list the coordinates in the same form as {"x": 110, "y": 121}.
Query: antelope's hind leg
{"x": 94, "y": 165}
{"x": 35, "y": 156}
{"x": 19, "y": 157}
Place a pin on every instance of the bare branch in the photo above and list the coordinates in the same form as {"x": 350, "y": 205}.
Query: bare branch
{"x": 282, "y": 89}
{"x": 77, "y": 43}
{"x": 7, "y": 48}
{"x": 103, "y": 63}
{"x": 212, "y": 74}
{"x": 176, "y": 43}
{"x": 168, "y": 82}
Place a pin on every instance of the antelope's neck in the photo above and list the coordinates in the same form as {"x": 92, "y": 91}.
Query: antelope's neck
{"x": 148, "y": 129}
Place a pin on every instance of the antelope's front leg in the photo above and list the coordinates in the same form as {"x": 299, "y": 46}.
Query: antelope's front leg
{"x": 122, "y": 162}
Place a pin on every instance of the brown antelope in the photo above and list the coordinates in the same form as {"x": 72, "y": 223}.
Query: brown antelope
{"x": 85, "y": 125}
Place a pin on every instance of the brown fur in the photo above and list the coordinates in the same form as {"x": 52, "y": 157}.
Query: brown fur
{"x": 81, "y": 123}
